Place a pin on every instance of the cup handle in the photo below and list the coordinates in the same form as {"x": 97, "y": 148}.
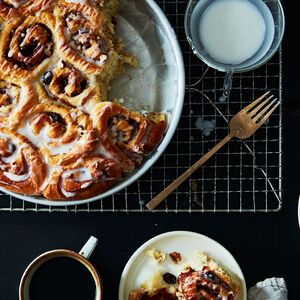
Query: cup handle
{"x": 227, "y": 84}
{"x": 89, "y": 247}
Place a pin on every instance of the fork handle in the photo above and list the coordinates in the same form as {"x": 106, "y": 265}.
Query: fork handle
{"x": 176, "y": 183}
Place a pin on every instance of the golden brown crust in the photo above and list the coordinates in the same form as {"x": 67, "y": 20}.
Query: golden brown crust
{"x": 142, "y": 294}
{"x": 10, "y": 9}
{"x": 57, "y": 60}
{"x": 205, "y": 284}
{"x": 86, "y": 178}
{"x": 26, "y": 47}
{"x": 85, "y": 37}
{"x": 65, "y": 135}
{"x": 79, "y": 38}
{"x": 126, "y": 132}
{"x": 21, "y": 168}
{"x": 66, "y": 84}
{"x": 15, "y": 102}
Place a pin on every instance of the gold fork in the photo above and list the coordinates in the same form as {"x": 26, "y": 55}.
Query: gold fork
{"x": 243, "y": 125}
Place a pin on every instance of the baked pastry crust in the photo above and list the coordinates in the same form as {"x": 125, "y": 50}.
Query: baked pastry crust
{"x": 158, "y": 294}
{"x": 66, "y": 84}
{"x": 64, "y": 135}
{"x": 13, "y": 8}
{"x": 59, "y": 135}
{"x": 15, "y": 102}
{"x": 83, "y": 36}
{"x": 27, "y": 46}
{"x": 205, "y": 284}
{"x": 126, "y": 133}
{"x": 21, "y": 167}
{"x": 88, "y": 177}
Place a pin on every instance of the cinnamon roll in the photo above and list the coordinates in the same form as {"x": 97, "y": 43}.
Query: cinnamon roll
{"x": 21, "y": 168}
{"x": 86, "y": 178}
{"x": 62, "y": 135}
{"x": 84, "y": 36}
{"x": 26, "y": 47}
{"x": 65, "y": 83}
{"x": 124, "y": 132}
{"x": 157, "y": 294}
{"x": 205, "y": 284}
{"x": 14, "y": 8}
{"x": 58, "y": 134}
{"x": 15, "y": 102}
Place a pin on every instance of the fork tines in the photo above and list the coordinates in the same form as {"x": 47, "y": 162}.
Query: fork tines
{"x": 260, "y": 109}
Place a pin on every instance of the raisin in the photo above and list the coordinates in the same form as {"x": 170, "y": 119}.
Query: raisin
{"x": 55, "y": 117}
{"x": 28, "y": 49}
{"x": 47, "y": 78}
{"x": 169, "y": 278}
{"x": 83, "y": 84}
{"x": 63, "y": 82}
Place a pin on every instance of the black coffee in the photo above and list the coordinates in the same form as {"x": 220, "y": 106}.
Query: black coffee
{"x": 62, "y": 278}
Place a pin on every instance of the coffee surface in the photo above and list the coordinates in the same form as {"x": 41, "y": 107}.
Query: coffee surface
{"x": 62, "y": 278}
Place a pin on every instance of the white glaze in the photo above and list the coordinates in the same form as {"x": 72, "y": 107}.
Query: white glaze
{"x": 42, "y": 139}
{"x": 73, "y": 116}
{"x": 86, "y": 184}
{"x": 27, "y": 132}
{"x": 62, "y": 149}
{"x": 16, "y": 178}
{"x": 84, "y": 174}
{"x": 67, "y": 194}
{"x": 51, "y": 170}
{"x": 77, "y": 1}
{"x": 11, "y": 158}
{"x": 232, "y": 31}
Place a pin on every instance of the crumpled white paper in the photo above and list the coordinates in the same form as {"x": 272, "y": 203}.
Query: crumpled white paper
{"x": 269, "y": 289}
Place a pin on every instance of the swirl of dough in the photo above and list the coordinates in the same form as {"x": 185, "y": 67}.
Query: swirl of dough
{"x": 128, "y": 133}
{"x": 205, "y": 284}
{"x": 26, "y": 47}
{"x": 15, "y": 102}
{"x": 84, "y": 36}
{"x": 63, "y": 135}
{"x": 13, "y": 8}
{"x": 65, "y": 83}
{"x": 21, "y": 168}
{"x": 86, "y": 178}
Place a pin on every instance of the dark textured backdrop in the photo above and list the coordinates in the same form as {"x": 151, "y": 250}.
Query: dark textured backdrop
{"x": 265, "y": 245}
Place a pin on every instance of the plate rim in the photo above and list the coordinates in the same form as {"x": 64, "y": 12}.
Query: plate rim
{"x": 172, "y": 126}
{"x": 152, "y": 240}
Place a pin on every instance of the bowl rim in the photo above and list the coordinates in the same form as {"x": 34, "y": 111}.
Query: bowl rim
{"x": 170, "y": 34}
{"x": 238, "y": 69}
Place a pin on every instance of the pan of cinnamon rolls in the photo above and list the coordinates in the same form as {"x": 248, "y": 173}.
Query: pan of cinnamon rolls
{"x": 63, "y": 139}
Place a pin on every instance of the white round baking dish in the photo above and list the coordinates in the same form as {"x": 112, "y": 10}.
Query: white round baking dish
{"x": 171, "y": 50}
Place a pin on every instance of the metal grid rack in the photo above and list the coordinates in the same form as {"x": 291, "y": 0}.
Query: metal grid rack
{"x": 242, "y": 177}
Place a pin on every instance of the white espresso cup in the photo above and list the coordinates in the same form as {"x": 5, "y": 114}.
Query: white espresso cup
{"x": 81, "y": 257}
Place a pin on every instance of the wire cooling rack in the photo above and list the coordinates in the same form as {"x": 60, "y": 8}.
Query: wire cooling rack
{"x": 242, "y": 177}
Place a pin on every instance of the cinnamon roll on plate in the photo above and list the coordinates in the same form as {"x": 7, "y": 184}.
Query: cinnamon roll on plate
{"x": 211, "y": 275}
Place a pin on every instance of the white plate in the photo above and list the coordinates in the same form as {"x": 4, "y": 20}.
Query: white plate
{"x": 170, "y": 100}
{"x": 141, "y": 267}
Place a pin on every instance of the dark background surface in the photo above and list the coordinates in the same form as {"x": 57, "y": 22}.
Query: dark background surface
{"x": 265, "y": 245}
